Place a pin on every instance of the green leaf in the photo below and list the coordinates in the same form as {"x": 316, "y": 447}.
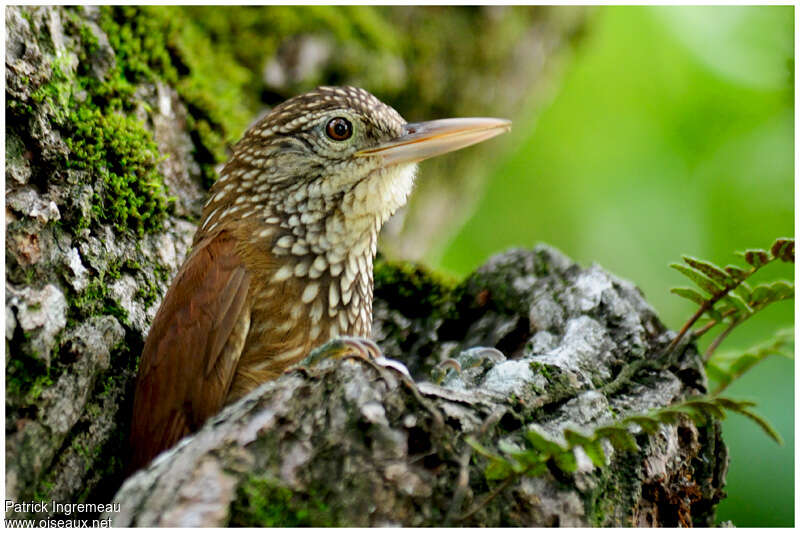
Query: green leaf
{"x": 537, "y": 470}
{"x": 498, "y": 469}
{"x": 756, "y": 257}
{"x": 508, "y": 447}
{"x": 762, "y": 295}
{"x": 744, "y": 291}
{"x": 767, "y": 293}
{"x": 783, "y": 249}
{"x": 566, "y": 461}
{"x": 784, "y": 289}
{"x": 744, "y": 363}
{"x": 698, "y": 416}
{"x": 594, "y": 450}
{"x": 668, "y": 416}
{"x": 726, "y": 366}
{"x": 478, "y": 447}
{"x": 649, "y": 425}
{"x": 736, "y": 301}
{"x": 619, "y": 437}
{"x": 714, "y": 314}
{"x": 699, "y": 278}
{"x": 734, "y": 405}
{"x": 526, "y": 458}
{"x": 708, "y": 408}
{"x": 574, "y": 438}
{"x": 783, "y": 343}
{"x": 737, "y": 273}
{"x": 711, "y": 270}
{"x": 542, "y": 443}
{"x": 689, "y": 294}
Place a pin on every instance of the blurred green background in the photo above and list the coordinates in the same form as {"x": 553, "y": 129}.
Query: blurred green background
{"x": 672, "y": 132}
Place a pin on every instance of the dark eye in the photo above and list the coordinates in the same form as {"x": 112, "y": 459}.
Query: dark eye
{"x": 339, "y": 129}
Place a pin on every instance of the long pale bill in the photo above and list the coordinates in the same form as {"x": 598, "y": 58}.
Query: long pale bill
{"x": 422, "y": 140}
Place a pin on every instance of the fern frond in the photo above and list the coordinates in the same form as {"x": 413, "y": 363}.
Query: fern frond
{"x": 711, "y": 271}
{"x": 726, "y": 367}
{"x": 542, "y": 449}
{"x": 729, "y": 298}
{"x": 699, "y": 278}
{"x": 689, "y": 294}
{"x": 763, "y": 424}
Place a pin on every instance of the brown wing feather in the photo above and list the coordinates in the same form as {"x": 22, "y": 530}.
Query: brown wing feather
{"x": 199, "y": 331}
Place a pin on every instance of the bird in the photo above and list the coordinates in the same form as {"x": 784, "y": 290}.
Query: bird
{"x": 281, "y": 262}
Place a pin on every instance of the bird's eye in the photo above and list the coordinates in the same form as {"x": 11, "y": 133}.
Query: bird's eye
{"x": 339, "y": 129}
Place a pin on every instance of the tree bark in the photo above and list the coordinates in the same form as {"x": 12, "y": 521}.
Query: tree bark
{"x": 356, "y": 443}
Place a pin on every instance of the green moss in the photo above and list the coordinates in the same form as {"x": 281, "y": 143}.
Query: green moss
{"x": 57, "y": 92}
{"x": 264, "y": 502}
{"x": 81, "y": 449}
{"x": 558, "y": 383}
{"x": 43, "y": 491}
{"x": 123, "y": 155}
{"x": 250, "y": 34}
{"x": 542, "y": 369}
{"x": 410, "y": 288}
{"x": 26, "y": 379}
{"x": 148, "y": 293}
{"x": 160, "y": 43}
{"x": 27, "y": 16}
{"x": 131, "y": 264}
{"x": 611, "y": 498}
{"x": 104, "y": 137}
{"x": 95, "y": 300}
{"x": 139, "y": 37}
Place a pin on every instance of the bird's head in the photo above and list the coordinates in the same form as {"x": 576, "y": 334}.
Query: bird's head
{"x": 336, "y": 156}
